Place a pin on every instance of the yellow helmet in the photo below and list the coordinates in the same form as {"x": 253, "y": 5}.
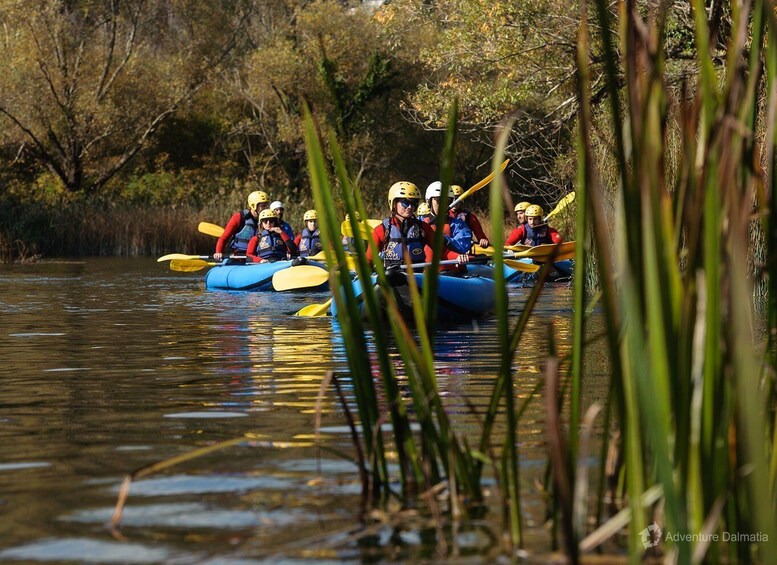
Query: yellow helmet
{"x": 267, "y": 214}
{"x": 534, "y": 210}
{"x": 403, "y": 189}
{"x": 310, "y": 215}
{"x": 457, "y": 190}
{"x": 521, "y": 206}
{"x": 423, "y": 208}
{"x": 255, "y": 198}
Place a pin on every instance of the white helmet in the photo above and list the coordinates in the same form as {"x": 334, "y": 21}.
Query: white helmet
{"x": 275, "y": 205}
{"x": 434, "y": 190}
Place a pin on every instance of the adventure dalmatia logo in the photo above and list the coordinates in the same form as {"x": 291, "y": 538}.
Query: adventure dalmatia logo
{"x": 653, "y": 535}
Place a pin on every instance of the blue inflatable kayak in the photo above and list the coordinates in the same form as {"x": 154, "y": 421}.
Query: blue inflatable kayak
{"x": 251, "y": 276}
{"x": 458, "y": 298}
{"x": 562, "y": 272}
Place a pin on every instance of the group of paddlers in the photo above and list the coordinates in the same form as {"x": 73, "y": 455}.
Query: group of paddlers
{"x": 260, "y": 232}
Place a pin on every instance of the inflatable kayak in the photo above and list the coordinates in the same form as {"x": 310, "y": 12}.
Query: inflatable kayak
{"x": 562, "y": 272}
{"x": 458, "y": 298}
{"x": 251, "y": 276}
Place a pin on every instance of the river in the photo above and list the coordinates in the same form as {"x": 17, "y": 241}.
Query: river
{"x": 109, "y": 365}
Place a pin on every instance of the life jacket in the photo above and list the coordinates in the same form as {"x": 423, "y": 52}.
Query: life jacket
{"x": 286, "y": 227}
{"x": 246, "y": 232}
{"x": 462, "y": 215}
{"x": 537, "y": 236}
{"x": 397, "y": 244}
{"x": 271, "y": 247}
{"x": 310, "y": 242}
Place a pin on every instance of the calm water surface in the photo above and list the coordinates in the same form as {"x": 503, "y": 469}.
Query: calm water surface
{"x": 109, "y": 365}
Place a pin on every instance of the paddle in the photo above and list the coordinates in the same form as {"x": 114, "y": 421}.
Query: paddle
{"x": 563, "y": 203}
{"x": 210, "y": 229}
{"x": 180, "y": 256}
{"x": 521, "y": 266}
{"x": 542, "y": 251}
{"x": 472, "y": 190}
{"x": 298, "y": 277}
{"x": 190, "y": 265}
{"x": 365, "y": 228}
{"x": 314, "y": 310}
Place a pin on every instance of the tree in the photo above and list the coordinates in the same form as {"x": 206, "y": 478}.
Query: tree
{"x": 86, "y": 83}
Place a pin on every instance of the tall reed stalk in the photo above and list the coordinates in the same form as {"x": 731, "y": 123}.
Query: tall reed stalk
{"x": 437, "y": 454}
{"x": 692, "y": 396}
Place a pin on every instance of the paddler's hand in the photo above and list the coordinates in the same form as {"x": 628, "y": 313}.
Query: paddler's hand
{"x": 395, "y": 276}
{"x": 217, "y": 256}
{"x": 484, "y": 242}
{"x": 464, "y": 258}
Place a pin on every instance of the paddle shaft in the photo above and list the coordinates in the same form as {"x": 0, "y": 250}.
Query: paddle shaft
{"x": 472, "y": 190}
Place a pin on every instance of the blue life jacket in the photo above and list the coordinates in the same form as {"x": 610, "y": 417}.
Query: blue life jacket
{"x": 460, "y": 238}
{"x": 537, "y": 236}
{"x": 246, "y": 232}
{"x": 271, "y": 247}
{"x": 398, "y": 243}
{"x": 310, "y": 242}
{"x": 286, "y": 227}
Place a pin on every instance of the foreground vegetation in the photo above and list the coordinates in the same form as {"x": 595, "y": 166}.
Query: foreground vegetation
{"x": 691, "y": 170}
{"x": 692, "y": 400}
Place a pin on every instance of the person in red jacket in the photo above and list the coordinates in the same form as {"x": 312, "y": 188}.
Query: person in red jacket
{"x": 538, "y": 232}
{"x": 518, "y": 235}
{"x": 271, "y": 243}
{"x": 469, "y": 218}
{"x": 402, "y": 233}
{"x": 242, "y": 225}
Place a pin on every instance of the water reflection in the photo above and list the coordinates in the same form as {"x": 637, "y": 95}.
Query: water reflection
{"x": 111, "y": 365}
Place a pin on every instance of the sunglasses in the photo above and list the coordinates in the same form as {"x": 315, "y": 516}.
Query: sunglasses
{"x": 407, "y": 203}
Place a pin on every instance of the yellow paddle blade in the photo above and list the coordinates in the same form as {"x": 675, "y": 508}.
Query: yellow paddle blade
{"x": 301, "y": 276}
{"x": 473, "y": 189}
{"x": 521, "y": 266}
{"x": 314, "y": 310}
{"x": 477, "y": 250}
{"x": 189, "y": 265}
{"x": 559, "y": 257}
{"x": 563, "y": 203}
{"x": 544, "y": 250}
{"x": 172, "y": 256}
{"x": 365, "y": 228}
{"x": 210, "y": 229}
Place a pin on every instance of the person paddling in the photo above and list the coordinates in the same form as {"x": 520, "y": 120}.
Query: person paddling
{"x": 308, "y": 241}
{"x": 402, "y": 234}
{"x": 538, "y": 232}
{"x": 271, "y": 243}
{"x": 278, "y": 208}
{"x": 518, "y": 235}
{"x": 423, "y": 212}
{"x": 469, "y": 218}
{"x": 242, "y": 226}
{"x": 456, "y": 233}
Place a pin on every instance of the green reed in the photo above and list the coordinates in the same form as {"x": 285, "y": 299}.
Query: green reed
{"x": 436, "y": 455}
{"x": 692, "y": 397}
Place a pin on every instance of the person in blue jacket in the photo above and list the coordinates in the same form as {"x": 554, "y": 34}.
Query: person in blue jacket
{"x": 457, "y": 234}
{"x": 277, "y": 207}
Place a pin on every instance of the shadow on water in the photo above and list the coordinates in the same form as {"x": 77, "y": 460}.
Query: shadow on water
{"x": 114, "y": 364}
